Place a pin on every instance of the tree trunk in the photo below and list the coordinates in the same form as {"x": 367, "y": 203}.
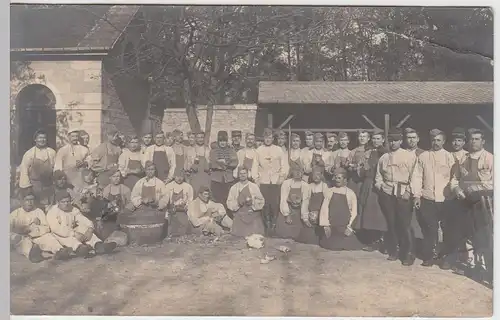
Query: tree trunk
{"x": 208, "y": 122}
{"x": 194, "y": 122}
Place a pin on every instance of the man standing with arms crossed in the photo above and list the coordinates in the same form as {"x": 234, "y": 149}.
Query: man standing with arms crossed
{"x": 429, "y": 185}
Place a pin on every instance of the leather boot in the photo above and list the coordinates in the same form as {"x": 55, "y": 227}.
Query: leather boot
{"x": 35, "y": 254}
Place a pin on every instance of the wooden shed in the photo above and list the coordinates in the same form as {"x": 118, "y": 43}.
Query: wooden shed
{"x": 350, "y": 106}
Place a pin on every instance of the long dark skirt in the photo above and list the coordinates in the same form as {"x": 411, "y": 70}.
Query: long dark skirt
{"x": 246, "y": 223}
{"x": 288, "y": 231}
{"x": 338, "y": 241}
{"x": 308, "y": 235}
{"x": 179, "y": 224}
{"x": 370, "y": 216}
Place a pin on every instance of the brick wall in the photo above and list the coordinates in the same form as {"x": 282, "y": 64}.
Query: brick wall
{"x": 225, "y": 117}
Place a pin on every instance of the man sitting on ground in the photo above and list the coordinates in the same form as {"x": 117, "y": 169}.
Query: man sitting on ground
{"x": 72, "y": 229}
{"x": 30, "y": 233}
{"x": 207, "y": 216}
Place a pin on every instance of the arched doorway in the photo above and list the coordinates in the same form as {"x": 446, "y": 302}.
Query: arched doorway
{"x": 35, "y": 109}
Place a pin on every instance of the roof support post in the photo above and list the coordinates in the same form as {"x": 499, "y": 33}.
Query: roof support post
{"x": 269, "y": 119}
{"x": 387, "y": 123}
{"x": 486, "y": 124}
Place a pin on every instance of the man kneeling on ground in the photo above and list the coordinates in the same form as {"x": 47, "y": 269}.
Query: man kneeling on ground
{"x": 207, "y": 216}
{"x": 72, "y": 229}
{"x": 30, "y": 233}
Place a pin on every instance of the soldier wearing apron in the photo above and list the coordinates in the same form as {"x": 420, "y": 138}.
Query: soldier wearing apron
{"x": 293, "y": 206}
{"x": 104, "y": 158}
{"x": 130, "y": 164}
{"x": 116, "y": 196}
{"x": 147, "y": 140}
{"x": 310, "y": 231}
{"x": 36, "y": 169}
{"x": 148, "y": 200}
{"x": 197, "y": 164}
{"x": 206, "y": 216}
{"x": 60, "y": 184}
{"x": 331, "y": 147}
{"x": 341, "y": 155}
{"x": 246, "y": 201}
{"x": 163, "y": 156}
{"x": 179, "y": 151}
{"x": 71, "y": 158}
{"x": 370, "y": 224}
{"x": 179, "y": 195}
{"x": 281, "y": 140}
{"x": 338, "y": 211}
{"x": 307, "y": 155}
{"x": 246, "y": 156}
{"x": 294, "y": 158}
{"x": 236, "y": 140}
{"x": 473, "y": 185}
{"x": 355, "y": 161}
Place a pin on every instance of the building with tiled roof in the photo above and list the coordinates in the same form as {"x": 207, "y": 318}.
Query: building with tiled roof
{"x": 349, "y": 106}
{"x": 70, "y": 66}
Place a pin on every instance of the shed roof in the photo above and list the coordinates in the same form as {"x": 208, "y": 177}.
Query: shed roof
{"x": 360, "y": 92}
{"x": 67, "y": 27}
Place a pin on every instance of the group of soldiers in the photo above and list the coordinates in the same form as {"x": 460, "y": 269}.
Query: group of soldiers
{"x": 373, "y": 197}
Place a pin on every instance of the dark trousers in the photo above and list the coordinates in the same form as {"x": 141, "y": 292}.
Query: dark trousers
{"x": 398, "y": 214}
{"x": 271, "y": 193}
{"x": 430, "y": 216}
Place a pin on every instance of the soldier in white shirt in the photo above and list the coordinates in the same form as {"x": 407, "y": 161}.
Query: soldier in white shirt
{"x": 163, "y": 156}
{"x": 429, "y": 185}
{"x": 269, "y": 170}
{"x": 473, "y": 185}
{"x": 392, "y": 180}
{"x": 246, "y": 156}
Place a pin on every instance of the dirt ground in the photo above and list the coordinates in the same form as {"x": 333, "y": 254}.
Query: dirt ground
{"x": 225, "y": 278}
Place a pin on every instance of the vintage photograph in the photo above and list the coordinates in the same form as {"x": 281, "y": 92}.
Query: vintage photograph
{"x": 198, "y": 160}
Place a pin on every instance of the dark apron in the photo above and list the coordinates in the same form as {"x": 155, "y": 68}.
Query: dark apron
{"x": 201, "y": 177}
{"x": 131, "y": 179}
{"x": 40, "y": 175}
{"x": 179, "y": 223}
{"x": 317, "y": 166}
{"x": 162, "y": 166}
{"x": 293, "y": 164}
{"x": 311, "y": 235}
{"x": 247, "y": 163}
{"x": 179, "y": 163}
{"x": 246, "y": 221}
{"x": 106, "y": 227}
{"x": 290, "y": 231}
{"x": 339, "y": 216}
{"x": 104, "y": 176}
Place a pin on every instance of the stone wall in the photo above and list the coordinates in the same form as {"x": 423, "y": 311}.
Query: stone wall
{"x": 225, "y": 117}
{"x": 76, "y": 86}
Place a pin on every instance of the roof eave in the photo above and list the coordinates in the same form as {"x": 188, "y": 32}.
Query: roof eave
{"x": 59, "y": 51}
{"x": 374, "y": 103}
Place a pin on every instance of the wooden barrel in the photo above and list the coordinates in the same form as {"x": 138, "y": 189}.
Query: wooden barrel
{"x": 145, "y": 225}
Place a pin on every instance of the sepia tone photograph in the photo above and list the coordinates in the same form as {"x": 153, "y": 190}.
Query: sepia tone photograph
{"x": 195, "y": 160}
